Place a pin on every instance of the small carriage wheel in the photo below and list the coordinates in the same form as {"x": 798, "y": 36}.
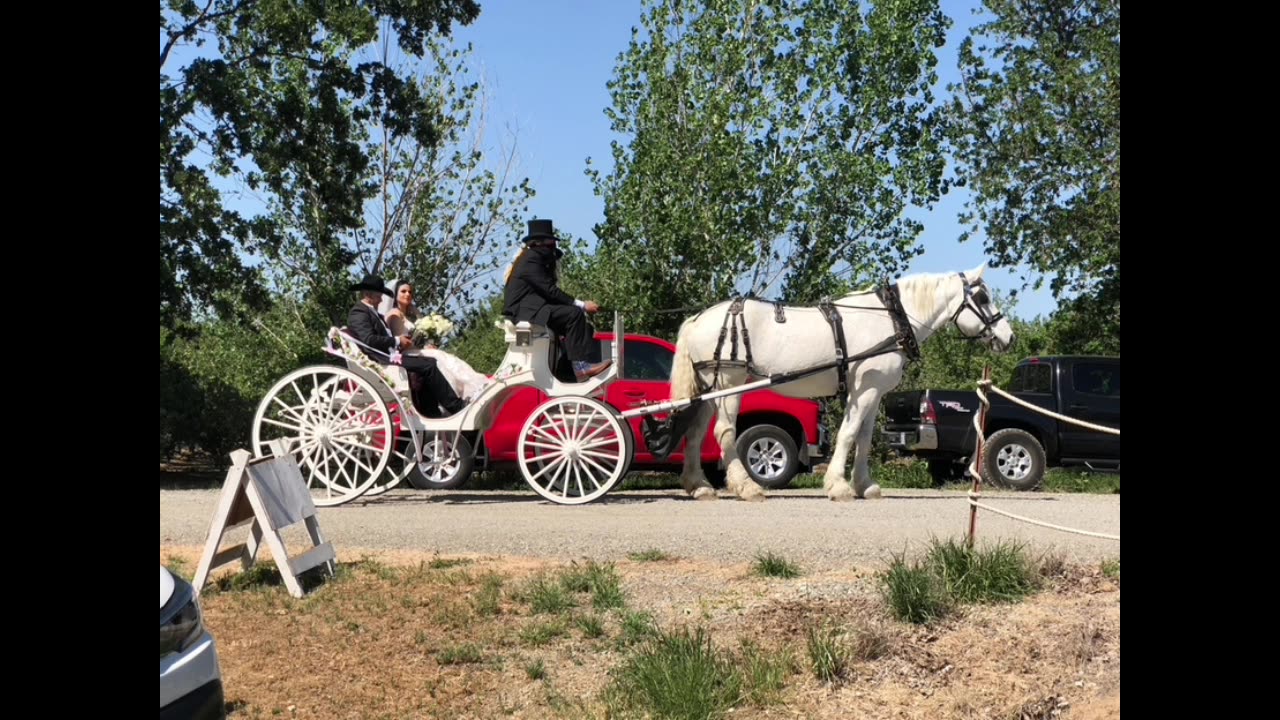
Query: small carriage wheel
{"x": 446, "y": 467}
{"x": 335, "y": 424}
{"x": 572, "y": 450}
{"x": 447, "y": 461}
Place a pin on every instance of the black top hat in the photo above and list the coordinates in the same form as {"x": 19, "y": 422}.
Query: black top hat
{"x": 372, "y": 283}
{"x": 540, "y": 230}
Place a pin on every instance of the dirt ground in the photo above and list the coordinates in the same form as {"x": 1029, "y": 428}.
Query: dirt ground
{"x": 395, "y": 637}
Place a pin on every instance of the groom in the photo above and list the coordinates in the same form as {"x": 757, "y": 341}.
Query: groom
{"x": 365, "y": 324}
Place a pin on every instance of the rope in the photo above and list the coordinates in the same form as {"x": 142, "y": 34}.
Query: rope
{"x": 973, "y": 500}
{"x": 983, "y": 386}
{"x": 1075, "y": 421}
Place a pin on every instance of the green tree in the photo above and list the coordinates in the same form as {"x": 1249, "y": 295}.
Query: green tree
{"x": 766, "y": 143}
{"x": 266, "y": 97}
{"x": 444, "y": 215}
{"x": 431, "y": 206}
{"x": 949, "y": 361}
{"x": 212, "y": 380}
{"x": 448, "y": 215}
{"x": 1036, "y": 125}
{"x": 1087, "y": 324}
{"x": 478, "y": 339}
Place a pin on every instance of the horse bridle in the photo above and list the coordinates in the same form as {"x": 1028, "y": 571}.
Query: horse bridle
{"x": 975, "y": 302}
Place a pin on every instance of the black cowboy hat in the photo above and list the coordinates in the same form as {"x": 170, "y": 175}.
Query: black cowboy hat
{"x": 540, "y": 230}
{"x": 372, "y": 283}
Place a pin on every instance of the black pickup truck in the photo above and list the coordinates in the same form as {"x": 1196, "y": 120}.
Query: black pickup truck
{"x": 937, "y": 425}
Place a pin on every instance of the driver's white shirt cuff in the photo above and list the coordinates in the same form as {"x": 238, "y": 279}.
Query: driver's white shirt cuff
{"x": 580, "y": 304}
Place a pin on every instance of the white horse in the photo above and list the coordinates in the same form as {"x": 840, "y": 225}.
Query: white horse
{"x": 876, "y": 357}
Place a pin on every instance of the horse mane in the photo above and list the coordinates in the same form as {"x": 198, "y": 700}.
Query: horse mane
{"x": 923, "y": 293}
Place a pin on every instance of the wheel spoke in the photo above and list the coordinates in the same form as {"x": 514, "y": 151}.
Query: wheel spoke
{"x": 353, "y": 458}
{"x": 277, "y": 423}
{"x": 599, "y": 443}
{"x": 352, "y": 443}
{"x": 297, "y": 413}
{"x": 547, "y": 456}
{"x": 357, "y": 430}
{"x": 603, "y": 426}
{"x": 549, "y": 465}
{"x": 555, "y": 476}
{"x": 545, "y": 434}
{"x": 607, "y": 474}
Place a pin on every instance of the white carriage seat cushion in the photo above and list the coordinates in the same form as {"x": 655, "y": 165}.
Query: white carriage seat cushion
{"x": 509, "y": 329}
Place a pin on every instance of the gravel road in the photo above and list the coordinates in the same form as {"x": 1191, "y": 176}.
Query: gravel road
{"x": 800, "y": 524}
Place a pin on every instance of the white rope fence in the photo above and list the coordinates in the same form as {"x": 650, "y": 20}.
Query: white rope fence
{"x": 1035, "y": 408}
{"x": 979, "y": 419}
{"x": 973, "y": 500}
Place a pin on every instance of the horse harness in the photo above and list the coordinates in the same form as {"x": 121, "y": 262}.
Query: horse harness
{"x": 975, "y": 302}
{"x": 903, "y": 340}
{"x": 733, "y": 319}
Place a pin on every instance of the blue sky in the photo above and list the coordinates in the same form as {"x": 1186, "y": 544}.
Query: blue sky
{"x": 546, "y": 65}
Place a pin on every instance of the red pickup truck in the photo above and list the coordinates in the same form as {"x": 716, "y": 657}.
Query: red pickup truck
{"x": 777, "y": 436}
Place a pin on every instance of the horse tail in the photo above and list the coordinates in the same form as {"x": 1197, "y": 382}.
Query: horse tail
{"x": 683, "y": 376}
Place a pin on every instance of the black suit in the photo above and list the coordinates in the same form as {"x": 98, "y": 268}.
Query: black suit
{"x": 532, "y": 294}
{"x": 366, "y": 325}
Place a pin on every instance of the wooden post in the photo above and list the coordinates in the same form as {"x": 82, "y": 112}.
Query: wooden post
{"x": 977, "y": 477}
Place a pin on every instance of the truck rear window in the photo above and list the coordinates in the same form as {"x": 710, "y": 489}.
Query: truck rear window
{"x": 1032, "y": 378}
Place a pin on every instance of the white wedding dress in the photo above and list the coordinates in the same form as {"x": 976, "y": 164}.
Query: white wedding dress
{"x": 466, "y": 382}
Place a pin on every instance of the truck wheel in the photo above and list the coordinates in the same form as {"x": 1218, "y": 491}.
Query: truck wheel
{"x": 769, "y": 455}
{"x": 1014, "y": 459}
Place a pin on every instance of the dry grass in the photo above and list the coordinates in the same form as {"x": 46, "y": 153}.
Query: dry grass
{"x": 394, "y": 637}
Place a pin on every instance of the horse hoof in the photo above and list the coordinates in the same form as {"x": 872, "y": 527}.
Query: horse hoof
{"x": 840, "y": 494}
{"x": 704, "y": 493}
{"x": 871, "y": 493}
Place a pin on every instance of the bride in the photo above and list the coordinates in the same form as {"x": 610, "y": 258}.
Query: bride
{"x": 401, "y": 314}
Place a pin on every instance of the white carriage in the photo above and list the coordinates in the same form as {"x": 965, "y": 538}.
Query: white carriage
{"x": 354, "y": 431}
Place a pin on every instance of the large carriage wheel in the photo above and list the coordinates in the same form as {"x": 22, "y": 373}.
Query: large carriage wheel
{"x": 335, "y": 424}
{"x": 574, "y": 449}
{"x": 401, "y": 462}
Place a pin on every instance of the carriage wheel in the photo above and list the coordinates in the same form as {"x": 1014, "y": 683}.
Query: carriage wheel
{"x": 446, "y": 464}
{"x": 574, "y": 449}
{"x": 447, "y": 461}
{"x": 401, "y": 463}
{"x": 335, "y": 424}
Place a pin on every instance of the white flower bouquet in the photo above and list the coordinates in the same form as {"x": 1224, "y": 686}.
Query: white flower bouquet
{"x": 430, "y": 329}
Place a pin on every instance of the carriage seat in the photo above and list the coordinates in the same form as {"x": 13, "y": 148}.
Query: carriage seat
{"x": 357, "y": 361}
{"x": 521, "y": 333}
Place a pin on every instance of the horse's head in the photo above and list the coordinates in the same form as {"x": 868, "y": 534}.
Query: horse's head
{"x": 977, "y": 317}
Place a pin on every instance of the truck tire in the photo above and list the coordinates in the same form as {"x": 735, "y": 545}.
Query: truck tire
{"x": 1013, "y": 459}
{"x": 769, "y": 454}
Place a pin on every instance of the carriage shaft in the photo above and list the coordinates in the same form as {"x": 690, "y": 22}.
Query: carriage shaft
{"x": 686, "y": 402}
